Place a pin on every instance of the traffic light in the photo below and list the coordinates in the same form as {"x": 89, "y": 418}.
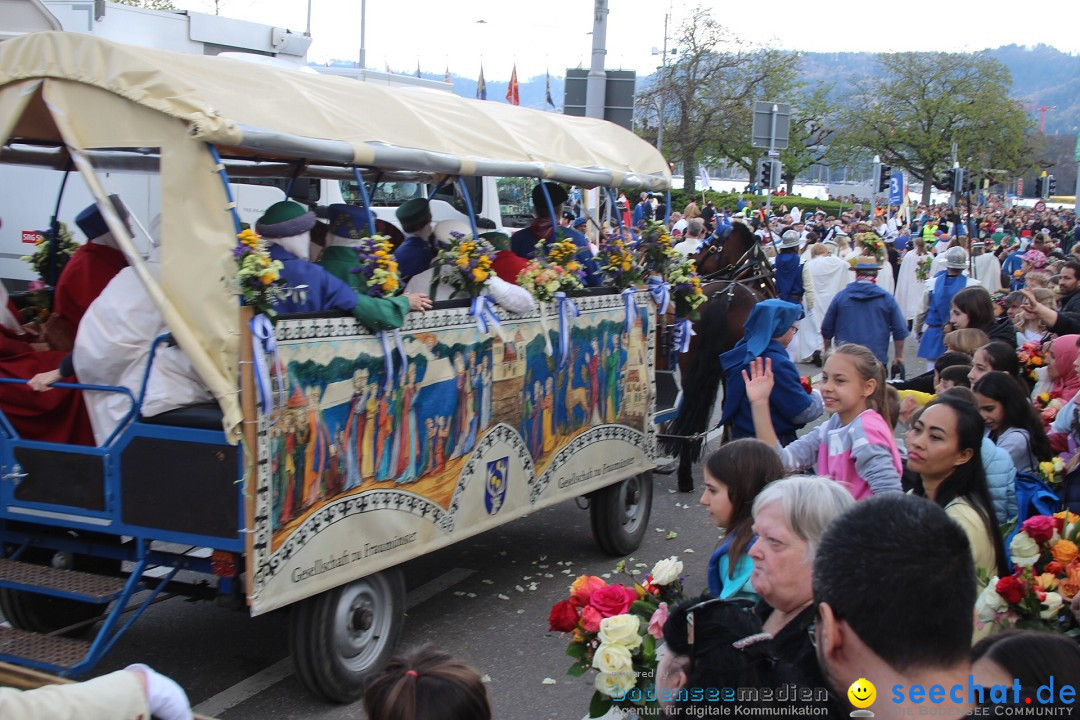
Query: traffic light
{"x": 950, "y": 180}
{"x": 769, "y": 173}
{"x": 959, "y": 181}
{"x": 1039, "y": 186}
{"x": 1051, "y": 185}
{"x": 884, "y": 178}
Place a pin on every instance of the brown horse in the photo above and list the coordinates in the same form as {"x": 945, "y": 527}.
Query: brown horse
{"x": 736, "y": 275}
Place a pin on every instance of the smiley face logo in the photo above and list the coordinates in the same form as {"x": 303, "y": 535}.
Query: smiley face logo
{"x": 862, "y": 693}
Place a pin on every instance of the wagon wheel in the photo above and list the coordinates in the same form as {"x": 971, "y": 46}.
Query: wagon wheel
{"x": 39, "y": 613}
{"x": 340, "y": 639}
{"x": 620, "y": 514}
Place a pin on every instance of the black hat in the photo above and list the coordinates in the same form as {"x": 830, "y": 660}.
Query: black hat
{"x": 558, "y": 195}
{"x": 414, "y": 214}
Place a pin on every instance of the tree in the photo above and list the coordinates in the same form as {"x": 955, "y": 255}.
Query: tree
{"x": 704, "y": 99}
{"x": 148, "y": 4}
{"x": 921, "y": 103}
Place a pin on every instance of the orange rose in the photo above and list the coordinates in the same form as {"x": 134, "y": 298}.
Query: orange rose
{"x": 583, "y": 588}
{"x": 1064, "y": 551}
{"x": 1068, "y": 517}
{"x": 1046, "y": 581}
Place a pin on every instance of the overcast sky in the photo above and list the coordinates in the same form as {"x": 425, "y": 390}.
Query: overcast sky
{"x": 556, "y": 33}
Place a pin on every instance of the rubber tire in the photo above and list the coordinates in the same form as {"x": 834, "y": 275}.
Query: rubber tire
{"x": 334, "y": 661}
{"x": 620, "y": 514}
{"x": 44, "y": 614}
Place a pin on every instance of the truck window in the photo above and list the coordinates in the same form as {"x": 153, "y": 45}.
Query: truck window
{"x": 304, "y": 190}
{"x": 515, "y": 201}
{"x": 383, "y": 194}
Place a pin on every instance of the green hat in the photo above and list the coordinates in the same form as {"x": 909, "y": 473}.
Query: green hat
{"x": 500, "y": 241}
{"x": 414, "y": 214}
{"x": 285, "y": 219}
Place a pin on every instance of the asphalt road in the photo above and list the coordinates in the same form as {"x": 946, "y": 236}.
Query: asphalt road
{"x": 485, "y": 599}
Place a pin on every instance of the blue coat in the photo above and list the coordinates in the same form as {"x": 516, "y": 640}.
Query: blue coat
{"x": 933, "y": 339}
{"x": 865, "y": 314}
{"x": 324, "y": 292}
{"x": 789, "y": 280}
{"x": 523, "y": 243}
{"x": 1000, "y": 480}
{"x": 786, "y": 403}
{"x": 413, "y": 257}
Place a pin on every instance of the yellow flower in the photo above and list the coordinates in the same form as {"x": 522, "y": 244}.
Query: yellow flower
{"x": 1046, "y": 581}
{"x": 268, "y": 278}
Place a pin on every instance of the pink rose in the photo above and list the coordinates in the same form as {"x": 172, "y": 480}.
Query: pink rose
{"x": 1039, "y": 528}
{"x": 612, "y": 600}
{"x": 590, "y": 619}
{"x": 656, "y": 622}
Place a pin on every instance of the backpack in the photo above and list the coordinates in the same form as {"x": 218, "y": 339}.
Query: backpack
{"x": 1033, "y": 497}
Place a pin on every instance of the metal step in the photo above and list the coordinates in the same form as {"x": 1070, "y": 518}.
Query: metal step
{"x": 70, "y": 584}
{"x": 44, "y": 651}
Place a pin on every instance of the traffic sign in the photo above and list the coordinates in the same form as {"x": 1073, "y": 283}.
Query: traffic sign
{"x": 772, "y": 124}
{"x": 1040, "y": 206}
{"x": 774, "y": 153}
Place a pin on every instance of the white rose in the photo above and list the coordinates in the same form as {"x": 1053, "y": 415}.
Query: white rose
{"x": 667, "y": 571}
{"x": 1023, "y": 550}
{"x": 615, "y": 684}
{"x": 1052, "y": 603}
{"x": 612, "y": 659}
{"x": 622, "y": 630}
{"x": 989, "y": 604}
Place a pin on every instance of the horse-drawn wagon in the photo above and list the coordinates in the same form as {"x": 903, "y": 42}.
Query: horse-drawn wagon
{"x": 331, "y": 455}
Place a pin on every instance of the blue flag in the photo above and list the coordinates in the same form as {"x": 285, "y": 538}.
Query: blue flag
{"x": 896, "y": 188}
{"x": 481, "y": 86}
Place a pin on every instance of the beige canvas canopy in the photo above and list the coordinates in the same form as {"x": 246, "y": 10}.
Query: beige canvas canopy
{"x": 86, "y": 95}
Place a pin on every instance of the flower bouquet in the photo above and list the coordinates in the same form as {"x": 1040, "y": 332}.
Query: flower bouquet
{"x": 1047, "y": 578}
{"x": 466, "y": 263}
{"x": 39, "y": 258}
{"x": 922, "y": 269}
{"x": 1052, "y": 471}
{"x": 377, "y": 267}
{"x": 618, "y": 263}
{"x": 1031, "y": 358}
{"x": 614, "y": 629}
{"x": 686, "y": 288}
{"x": 656, "y": 250}
{"x": 557, "y": 270}
{"x": 259, "y": 276}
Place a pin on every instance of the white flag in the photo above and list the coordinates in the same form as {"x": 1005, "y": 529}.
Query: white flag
{"x": 703, "y": 176}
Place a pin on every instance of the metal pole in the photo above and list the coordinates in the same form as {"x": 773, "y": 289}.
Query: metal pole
{"x": 596, "y": 83}
{"x": 660, "y": 97}
{"x": 772, "y": 142}
{"x": 363, "y": 27}
{"x": 308, "y": 31}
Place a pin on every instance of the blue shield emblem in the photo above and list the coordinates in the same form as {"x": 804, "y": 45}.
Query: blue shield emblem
{"x": 495, "y": 485}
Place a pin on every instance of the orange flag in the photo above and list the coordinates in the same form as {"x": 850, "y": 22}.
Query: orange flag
{"x": 513, "y": 92}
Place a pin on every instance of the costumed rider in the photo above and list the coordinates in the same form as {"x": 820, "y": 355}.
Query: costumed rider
{"x": 768, "y": 331}
{"x": 86, "y": 274}
{"x": 515, "y": 299}
{"x": 112, "y": 347}
{"x": 941, "y": 288}
{"x": 416, "y": 253}
{"x": 286, "y": 226}
{"x": 348, "y": 224}
{"x": 524, "y": 241}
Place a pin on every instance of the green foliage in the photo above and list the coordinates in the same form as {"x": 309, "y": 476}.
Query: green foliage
{"x": 39, "y": 258}
{"x": 680, "y": 198}
{"x": 922, "y": 103}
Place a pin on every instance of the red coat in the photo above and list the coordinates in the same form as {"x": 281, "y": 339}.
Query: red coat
{"x": 508, "y": 265}
{"x": 84, "y": 277}
{"x": 54, "y": 416}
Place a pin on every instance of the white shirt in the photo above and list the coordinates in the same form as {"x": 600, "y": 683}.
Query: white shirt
{"x": 689, "y": 246}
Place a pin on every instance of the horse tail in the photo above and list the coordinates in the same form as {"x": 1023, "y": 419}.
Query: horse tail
{"x": 702, "y": 380}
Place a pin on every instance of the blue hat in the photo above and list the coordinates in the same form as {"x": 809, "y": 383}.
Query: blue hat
{"x": 768, "y": 319}
{"x": 349, "y": 221}
{"x": 91, "y": 222}
{"x": 579, "y": 222}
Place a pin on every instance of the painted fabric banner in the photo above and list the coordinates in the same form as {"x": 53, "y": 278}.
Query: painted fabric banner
{"x": 360, "y": 470}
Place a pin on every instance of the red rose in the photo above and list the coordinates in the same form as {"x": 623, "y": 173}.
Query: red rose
{"x": 590, "y": 619}
{"x": 1054, "y": 568}
{"x": 1039, "y": 528}
{"x": 563, "y": 617}
{"x": 1010, "y": 589}
{"x": 1059, "y": 523}
{"x": 612, "y": 600}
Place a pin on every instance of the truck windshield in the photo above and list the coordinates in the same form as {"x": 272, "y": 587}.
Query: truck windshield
{"x": 384, "y": 193}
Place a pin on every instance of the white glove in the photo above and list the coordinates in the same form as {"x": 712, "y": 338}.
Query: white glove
{"x": 513, "y": 298}
{"x": 165, "y": 699}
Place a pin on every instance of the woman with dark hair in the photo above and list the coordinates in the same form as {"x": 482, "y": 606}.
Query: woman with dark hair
{"x": 734, "y": 475}
{"x": 972, "y": 307}
{"x": 1011, "y": 421}
{"x": 424, "y": 684}
{"x": 944, "y": 450}
{"x": 1030, "y": 657}
{"x": 999, "y": 356}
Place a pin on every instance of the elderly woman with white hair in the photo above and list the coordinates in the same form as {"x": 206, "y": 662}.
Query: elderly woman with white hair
{"x": 790, "y": 517}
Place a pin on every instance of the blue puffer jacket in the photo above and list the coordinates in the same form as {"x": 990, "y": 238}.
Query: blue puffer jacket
{"x": 1000, "y": 479}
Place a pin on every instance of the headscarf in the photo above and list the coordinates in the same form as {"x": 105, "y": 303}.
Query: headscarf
{"x": 1037, "y": 258}
{"x": 1067, "y": 383}
{"x": 768, "y": 319}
